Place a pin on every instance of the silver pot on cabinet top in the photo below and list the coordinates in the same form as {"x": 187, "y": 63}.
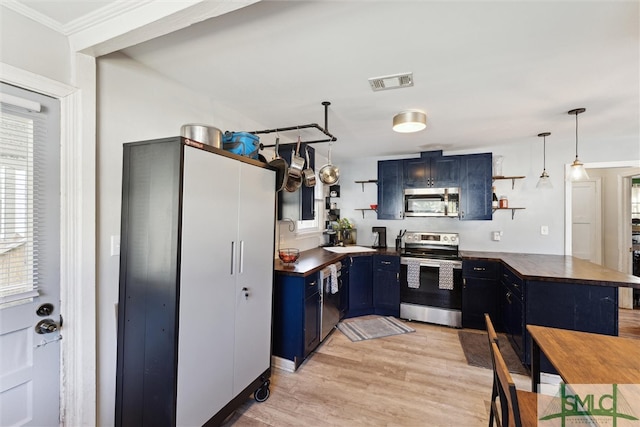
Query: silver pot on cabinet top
{"x": 202, "y": 133}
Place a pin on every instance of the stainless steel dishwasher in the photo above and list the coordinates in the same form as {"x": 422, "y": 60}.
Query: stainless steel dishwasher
{"x": 330, "y": 298}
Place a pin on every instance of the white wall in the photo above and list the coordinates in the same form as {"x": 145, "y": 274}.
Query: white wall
{"x": 33, "y": 47}
{"x": 134, "y": 104}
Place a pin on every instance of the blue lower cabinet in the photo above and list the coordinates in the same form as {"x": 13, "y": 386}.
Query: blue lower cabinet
{"x": 296, "y": 316}
{"x": 481, "y": 292}
{"x": 374, "y": 285}
{"x": 386, "y": 285}
{"x": 360, "y": 286}
{"x": 578, "y": 307}
{"x": 344, "y": 294}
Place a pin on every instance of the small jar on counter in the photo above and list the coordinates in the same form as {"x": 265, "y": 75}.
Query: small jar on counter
{"x": 504, "y": 203}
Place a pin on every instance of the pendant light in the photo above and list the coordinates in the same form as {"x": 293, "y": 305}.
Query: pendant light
{"x": 578, "y": 172}
{"x": 544, "y": 182}
{"x": 409, "y": 121}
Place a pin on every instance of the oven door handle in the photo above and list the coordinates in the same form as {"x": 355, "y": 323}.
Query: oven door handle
{"x": 429, "y": 263}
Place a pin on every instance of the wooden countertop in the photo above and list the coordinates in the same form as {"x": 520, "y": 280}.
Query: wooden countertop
{"x": 529, "y": 266}
{"x": 552, "y": 267}
{"x": 316, "y": 259}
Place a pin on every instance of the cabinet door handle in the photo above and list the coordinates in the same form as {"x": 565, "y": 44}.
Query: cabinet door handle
{"x": 479, "y": 268}
{"x": 509, "y": 297}
{"x": 241, "y": 256}
{"x": 311, "y": 284}
{"x": 385, "y": 262}
{"x": 515, "y": 285}
{"x": 233, "y": 256}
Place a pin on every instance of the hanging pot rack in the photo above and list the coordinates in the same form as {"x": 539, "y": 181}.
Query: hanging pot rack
{"x": 324, "y": 130}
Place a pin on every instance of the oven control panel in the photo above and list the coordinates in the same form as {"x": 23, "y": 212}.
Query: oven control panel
{"x": 419, "y": 237}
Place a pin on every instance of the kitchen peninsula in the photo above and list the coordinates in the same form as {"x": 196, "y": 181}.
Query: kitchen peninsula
{"x": 520, "y": 289}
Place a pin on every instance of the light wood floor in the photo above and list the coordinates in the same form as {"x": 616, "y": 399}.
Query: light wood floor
{"x": 415, "y": 379}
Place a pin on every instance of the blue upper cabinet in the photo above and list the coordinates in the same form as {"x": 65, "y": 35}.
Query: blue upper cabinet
{"x": 475, "y": 186}
{"x": 471, "y": 173}
{"x": 390, "y": 197}
{"x": 435, "y": 172}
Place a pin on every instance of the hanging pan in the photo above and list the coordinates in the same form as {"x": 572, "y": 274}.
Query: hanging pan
{"x": 329, "y": 174}
{"x": 297, "y": 162}
{"x": 308, "y": 174}
{"x": 281, "y": 168}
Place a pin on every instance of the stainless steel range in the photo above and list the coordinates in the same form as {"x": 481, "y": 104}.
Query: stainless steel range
{"x": 431, "y": 278}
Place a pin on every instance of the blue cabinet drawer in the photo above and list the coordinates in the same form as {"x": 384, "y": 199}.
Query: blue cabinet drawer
{"x": 512, "y": 282}
{"x": 481, "y": 269}
{"x": 311, "y": 285}
{"x": 386, "y": 262}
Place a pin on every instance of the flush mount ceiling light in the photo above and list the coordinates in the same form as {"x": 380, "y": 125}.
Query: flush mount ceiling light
{"x": 544, "y": 182}
{"x": 578, "y": 172}
{"x": 409, "y": 121}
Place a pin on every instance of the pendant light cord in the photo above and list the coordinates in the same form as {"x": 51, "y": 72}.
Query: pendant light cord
{"x": 544, "y": 154}
{"x": 576, "y": 136}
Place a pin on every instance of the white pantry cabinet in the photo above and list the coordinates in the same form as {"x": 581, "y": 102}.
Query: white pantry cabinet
{"x": 194, "y": 336}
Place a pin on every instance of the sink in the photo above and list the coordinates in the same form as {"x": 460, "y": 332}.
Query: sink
{"x": 348, "y": 249}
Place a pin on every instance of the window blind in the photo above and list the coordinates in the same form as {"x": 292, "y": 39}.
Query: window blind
{"x": 22, "y": 128}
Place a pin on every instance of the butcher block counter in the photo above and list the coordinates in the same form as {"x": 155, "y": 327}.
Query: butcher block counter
{"x": 316, "y": 259}
{"x": 567, "y": 268}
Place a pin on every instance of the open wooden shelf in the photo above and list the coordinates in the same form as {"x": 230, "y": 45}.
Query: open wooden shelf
{"x": 513, "y": 210}
{"x": 369, "y": 181}
{"x": 512, "y": 178}
{"x": 364, "y": 209}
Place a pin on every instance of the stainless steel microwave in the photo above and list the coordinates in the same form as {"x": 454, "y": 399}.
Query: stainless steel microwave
{"x": 431, "y": 201}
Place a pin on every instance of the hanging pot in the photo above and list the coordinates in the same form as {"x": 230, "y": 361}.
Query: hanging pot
{"x": 293, "y": 183}
{"x": 281, "y": 166}
{"x": 329, "y": 174}
{"x": 308, "y": 174}
{"x": 297, "y": 162}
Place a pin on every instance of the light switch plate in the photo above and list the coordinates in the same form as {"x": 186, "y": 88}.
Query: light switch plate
{"x": 115, "y": 245}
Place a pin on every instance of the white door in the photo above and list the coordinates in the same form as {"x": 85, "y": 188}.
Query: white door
{"x": 254, "y": 283}
{"x": 207, "y": 278}
{"x": 586, "y": 220}
{"x": 29, "y": 259}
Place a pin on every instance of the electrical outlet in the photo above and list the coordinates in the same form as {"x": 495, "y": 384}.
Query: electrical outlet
{"x": 496, "y": 235}
{"x": 544, "y": 230}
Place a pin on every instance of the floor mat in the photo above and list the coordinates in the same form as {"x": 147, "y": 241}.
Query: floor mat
{"x": 476, "y": 350}
{"x": 357, "y": 329}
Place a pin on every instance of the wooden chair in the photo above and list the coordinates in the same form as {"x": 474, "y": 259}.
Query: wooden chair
{"x": 493, "y": 338}
{"x": 519, "y": 408}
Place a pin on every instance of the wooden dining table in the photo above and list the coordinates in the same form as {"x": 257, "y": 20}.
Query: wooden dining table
{"x": 585, "y": 358}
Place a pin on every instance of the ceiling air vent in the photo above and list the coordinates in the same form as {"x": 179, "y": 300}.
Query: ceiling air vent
{"x": 394, "y": 81}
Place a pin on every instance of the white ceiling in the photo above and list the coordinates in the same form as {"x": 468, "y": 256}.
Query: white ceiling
{"x": 486, "y": 73}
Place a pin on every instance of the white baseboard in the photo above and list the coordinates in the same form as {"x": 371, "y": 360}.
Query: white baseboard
{"x": 284, "y": 364}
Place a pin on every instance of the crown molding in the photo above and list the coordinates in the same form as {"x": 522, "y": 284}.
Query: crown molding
{"x": 103, "y": 14}
{"x": 33, "y": 14}
{"x": 82, "y": 23}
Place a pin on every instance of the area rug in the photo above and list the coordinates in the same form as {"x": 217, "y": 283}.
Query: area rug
{"x": 367, "y": 328}
{"x": 475, "y": 346}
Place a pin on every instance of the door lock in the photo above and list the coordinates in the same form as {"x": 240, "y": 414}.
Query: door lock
{"x": 46, "y": 326}
{"x": 45, "y": 310}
